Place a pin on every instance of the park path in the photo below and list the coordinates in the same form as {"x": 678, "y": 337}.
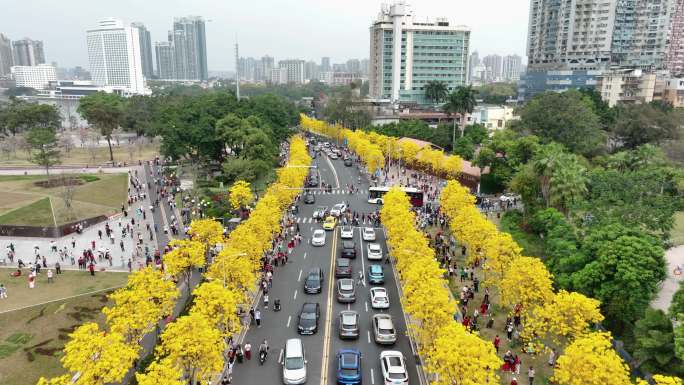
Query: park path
{"x": 674, "y": 257}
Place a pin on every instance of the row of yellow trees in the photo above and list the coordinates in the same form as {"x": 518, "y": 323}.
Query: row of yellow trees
{"x": 562, "y": 317}
{"x": 192, "y": 346}
{"x": 454, "y": 355}
{"x": 374, "y": 148}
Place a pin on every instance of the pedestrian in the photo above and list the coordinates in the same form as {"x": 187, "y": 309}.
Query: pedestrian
{"x": 266, "y": 301}
{"x": 514, "y": 381}
{"x": 530, "y": 374}
{"x": 360, "y": 281}
{"x": 50, "y": 276}
{"x": 251, "y": 315}
{"x": 497, "y": 342}
{"x": 73, "y": 242}
{"x": 99, "y": 234}
{"x": 257, "y": 317}
{"x": 248, "y": 350}
{"x": 58, "y": 268}
{"x": 91, "y": 267}
{"x": 552, "y": 357}
{"x": 32, "y": 280}
{"x": 121, "y": 244}
{"x": 3, "y": 291}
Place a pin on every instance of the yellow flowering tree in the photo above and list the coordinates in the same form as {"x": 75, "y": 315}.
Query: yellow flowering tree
{"x": 61, "y": 380}
{"x": 206, "y": 231}
{"x": 161, "y": 373}
{"x": 452, "y": 166}
{"x": 193, "y": 345}
{"x": 233, "y": 268}
{"x": 240, "y": 194}
{"x": 99, "y": 357}
{"x": 526, "y": 282}
{"x": 591, "y": 360}
{"x": 185, "y": 255}
{"x": 218, "y": 304}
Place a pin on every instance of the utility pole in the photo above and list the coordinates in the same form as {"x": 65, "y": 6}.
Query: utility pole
{"x": 237, "y": 71}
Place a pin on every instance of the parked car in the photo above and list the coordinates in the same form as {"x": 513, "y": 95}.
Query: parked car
{"x": 383, "y": 329}
{"x": 343, "y": 268}
{"x": 375, "y": 274}
{"x": 349, "y": 324}
{"x": 393, "y": 367}
{"x": 347, "y": 232}
{"x": 379, "y": 298}
{"x": 313, "y": 283}
{"x": 309, "y": 198}
{"x": 374, "y": 251}
{"x": 294, "y": 362}
{"x": 349, "y": 367}
{"x": 346, "y": 290}
{"x": 308, "y": 318}
{"x": 368, "y": 234}
{"x": 348, "y": 249}
{"x": 338, "y": 209}
{"x": 318, "y": 238}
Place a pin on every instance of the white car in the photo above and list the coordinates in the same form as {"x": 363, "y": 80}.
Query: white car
{"x": 508, "y": 197}
{"x": 379, "y": 298}
{"x": 338, "y": 209}
{"x": 393, "y": 367}
{"x": 332, "y": 155}
{"x": 374, "y": 251}
{"x": 368, "y": 234}
{"x": 347, "y": 232}
{"x": 318, "y": 238}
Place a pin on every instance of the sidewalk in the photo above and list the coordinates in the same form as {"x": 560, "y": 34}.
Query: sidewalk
{"x": 674, "y": 257}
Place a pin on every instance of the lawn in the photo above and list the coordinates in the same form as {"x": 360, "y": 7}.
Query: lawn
{"x": 32, "y": 339}
{"x": 678, "y": 230}
{"x": 92, "y": 157}
{"x": 22, "y": 202}
{"x": 531, "y": 244}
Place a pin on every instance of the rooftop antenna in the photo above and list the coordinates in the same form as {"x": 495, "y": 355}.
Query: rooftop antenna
{"x": 237, "y": 70}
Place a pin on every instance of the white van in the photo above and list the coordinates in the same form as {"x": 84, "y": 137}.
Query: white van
{"x": 294, "y": 362}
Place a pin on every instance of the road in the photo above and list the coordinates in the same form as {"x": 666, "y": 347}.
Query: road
{"x": 321, "y": 348}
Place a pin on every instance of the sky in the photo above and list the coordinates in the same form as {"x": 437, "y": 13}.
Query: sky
{"x": 306, "y": 29}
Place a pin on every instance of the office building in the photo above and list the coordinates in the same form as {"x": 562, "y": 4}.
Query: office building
{"x": 433, "y": 51}
{"x": 354, "y": 65}
{"x": 675, "y": 51}
{"x": 364, "y": 67}
{"x": 325, "y": 64}
{"x": 6, "y": 60}
{"x": 311, "y": 70}
{"x": 494, "y": 65}
{"x": 166, "y": 62}
{"x": 511, "y": 68}
{"x": 190, "y": 48}
{"x": 267, "y": 64}
{"x": 631, "y": 86}
{"x": 28, "y": 52}
{"x": 37, "y": 77}
{"x": 473, "y": 63}
{"x": 114, "y": 56}
{"x": 293, "y": 71}
{"x": 145, "y": 50}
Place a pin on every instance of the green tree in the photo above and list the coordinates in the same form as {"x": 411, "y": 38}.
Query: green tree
{"x": 497, "y": 93}
{"x": 435, "y": 91}
{"x": 44, "y": 147}
{"x": 639, "y": 124}
{"x": 567, "y": 118}
{"x": 677, "y": 304}
{"x": 654, "y": 344}
{"x": 138, "y": 114}
{"x": 462, "y": 102}
{"x": 19, "y": 116}
{"x": 105, "y": 112}
{"x": 568, "y": 183}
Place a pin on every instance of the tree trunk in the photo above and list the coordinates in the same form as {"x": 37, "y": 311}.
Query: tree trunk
{"x": 462, "y": 125}
{"x": 111, "y": 153}
{"x": 453, "y": 137}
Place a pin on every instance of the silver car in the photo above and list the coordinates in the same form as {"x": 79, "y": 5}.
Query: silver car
{"x": 318, "y": 238}
{"x": 349, "y": 324}
{"x": 294, "y": 362}
{"x": 374, "y": 251}
{"x": 346, "y": 290}
{"x": 383, "y": 329}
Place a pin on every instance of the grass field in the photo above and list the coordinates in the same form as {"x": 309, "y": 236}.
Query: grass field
{"x": 678, "y": 231}
{"x": 24, "y": 203}
{"x": 84, "y": 156}
{"x": 32, "y": 339}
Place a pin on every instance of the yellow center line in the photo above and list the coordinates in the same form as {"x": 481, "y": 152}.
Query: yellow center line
{"x": 328, "y": 315}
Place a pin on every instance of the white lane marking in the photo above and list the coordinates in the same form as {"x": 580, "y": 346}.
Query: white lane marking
{"x": 304, "y": 255}
{"x": 289, "y": 318}
{"x": 280, "y": 356}
{"x": 300, "y": 275}
{"x": 311, "y": 229}
{"x": 369, "y": 337}
{"x": 372, "y": 376}
{"x": 295, "y": 294}
{"x": 337, "y": 181}
{"x": 366, "y": 306}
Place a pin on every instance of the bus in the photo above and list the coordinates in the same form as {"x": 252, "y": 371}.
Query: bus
{"x": 375, "y": 195}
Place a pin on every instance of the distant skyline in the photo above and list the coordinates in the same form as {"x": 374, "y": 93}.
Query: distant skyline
{"x": 303, "y": 29}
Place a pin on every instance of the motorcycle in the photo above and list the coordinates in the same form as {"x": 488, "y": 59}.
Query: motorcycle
{"x": 262, "y": 357}
{"x": 276, "y": 305}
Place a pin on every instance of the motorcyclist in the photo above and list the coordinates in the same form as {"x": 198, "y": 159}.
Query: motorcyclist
{"x": 263, "y": 348}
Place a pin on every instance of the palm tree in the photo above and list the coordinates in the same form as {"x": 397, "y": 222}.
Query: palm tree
{"x": 461, "y": 101}
{"x": 435, "y": 91}
{"x": 568, "y": 183}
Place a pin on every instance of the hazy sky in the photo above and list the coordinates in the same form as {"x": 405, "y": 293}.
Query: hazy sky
{"x": 307, "y": 29}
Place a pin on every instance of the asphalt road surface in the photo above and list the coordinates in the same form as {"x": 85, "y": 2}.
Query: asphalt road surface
{"x": 321, "y": 348}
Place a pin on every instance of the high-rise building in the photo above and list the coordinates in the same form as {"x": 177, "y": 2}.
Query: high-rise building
{"x": 37, "y": 77}
{"x": 293, "y": 71}
{"x": 145, "y": 50}
{"x": 114, "y": 56}
{"x": 511, "y": 68}
{"x": 494, "y": 65}
{"x": 6, "y": 60}
{"x": 166, "y": 62}
{"x": 311, "y": 70}
{"x": 325, "y": 64}
{"x": 28, "y": 52}
{"x": 364, "y": 67}
{"x": 354, "y": 65}
{"x": 190, "y": 45}
{"x": 675, "y": 52}
{"x": 405, "y": 54}
{"x": 267, "y": 64}
{"x": 473, "y": 63}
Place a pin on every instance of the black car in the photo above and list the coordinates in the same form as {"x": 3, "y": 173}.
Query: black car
{"x": 309, "y": 198}
{"x": 348, "y": 249}
{"x": 314, "y": 281}
{"x": 348, "y": 162}
{"x": 308, "y": 318}
{"x": 343, "y": 268}
{"x": 313, "y": 181}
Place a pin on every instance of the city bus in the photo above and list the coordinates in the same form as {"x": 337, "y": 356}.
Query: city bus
{"x": 375, "y": 195}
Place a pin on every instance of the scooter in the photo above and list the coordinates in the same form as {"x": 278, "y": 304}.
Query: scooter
{"x": 262, "y": 357}
{"x": 276, "y": 305}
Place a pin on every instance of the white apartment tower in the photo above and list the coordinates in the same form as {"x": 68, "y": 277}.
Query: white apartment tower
{"x": 408, "y": 52}
{"x": 114, "y": 56}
